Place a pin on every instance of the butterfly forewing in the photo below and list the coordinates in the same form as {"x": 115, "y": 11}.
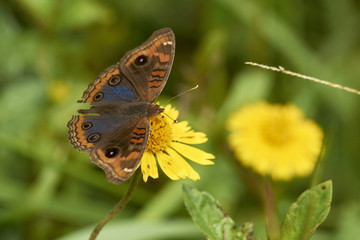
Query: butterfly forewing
{"x": 110, "y": 85}
{"x": 148, "y": 66}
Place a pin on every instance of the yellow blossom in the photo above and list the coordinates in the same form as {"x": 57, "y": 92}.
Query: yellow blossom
{"x": 59, "y": 91}
{"x": 275, "y": 140}
{"x": 168, "y": 144}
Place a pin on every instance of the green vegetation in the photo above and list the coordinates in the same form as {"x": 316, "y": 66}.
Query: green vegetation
{"x": 51, "y": 50}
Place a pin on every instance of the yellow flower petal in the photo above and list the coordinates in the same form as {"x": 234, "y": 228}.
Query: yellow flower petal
{"x": 181, "y": 127}
{"x": 171, "y": 112}
{"x": 191, "y": 138}
{"x": 177, "y": 166}
{"x": 165, "y": 165}
{"x": 194, "y": 154}
{"x": 183, "y": 133}
{"x": 148, "y": 166}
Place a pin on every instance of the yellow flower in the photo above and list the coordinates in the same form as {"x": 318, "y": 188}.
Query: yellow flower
{"x": 168, "y": 143}
{"x": 275, "y": 140}
{"x": 59, "y": 91}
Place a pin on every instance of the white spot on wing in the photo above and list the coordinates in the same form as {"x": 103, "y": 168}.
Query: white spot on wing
{"x": 167, "y": 43}
{"x": 128, "y": 170}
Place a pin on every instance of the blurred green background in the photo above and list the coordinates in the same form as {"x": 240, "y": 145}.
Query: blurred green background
{"x": 51, "y": 50}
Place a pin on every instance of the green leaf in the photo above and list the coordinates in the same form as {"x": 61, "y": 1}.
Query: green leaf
{"x": 307, "y": 213}
{"x": 208, "y": 214}
{"x": 211, "y": 218}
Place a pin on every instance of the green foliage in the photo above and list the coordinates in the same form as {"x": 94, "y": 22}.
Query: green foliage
{"x": 211, "y": 218}
{"x": 307, "y": 213}
{"x": 51, "y": 50}
{"x": 144, "y": 230}
{"x": 300, "y": 223}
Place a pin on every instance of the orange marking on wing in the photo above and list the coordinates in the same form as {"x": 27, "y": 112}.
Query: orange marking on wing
{"x": 139, "y": 131}
{"x": 115, "y": 163}
{"x": 164, "y": 57}
{"x": 144, "y": 52}
{"x": 132, "y": 155}
{"x": 152, "y": 50}
{"x": 80, "y": 133}
{"x": 159, "y": 73}
{"x": 102, "y": 83}
{"x": 155, "y": 83}
{"x": 135, "y": 141}
{"x": 112, "y": 161}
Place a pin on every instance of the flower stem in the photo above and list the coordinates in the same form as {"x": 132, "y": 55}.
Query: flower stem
{"x": 118, "y": 207}
{"x": 272, "y": 220}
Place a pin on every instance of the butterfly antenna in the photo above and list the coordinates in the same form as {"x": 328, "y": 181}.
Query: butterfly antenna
{"x": 193, "y": 88}
{"x": 174, "y": 120}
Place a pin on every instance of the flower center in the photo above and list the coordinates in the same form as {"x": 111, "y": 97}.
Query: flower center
{"x": 277, "y": 132}
{"x": 160, "y": 134}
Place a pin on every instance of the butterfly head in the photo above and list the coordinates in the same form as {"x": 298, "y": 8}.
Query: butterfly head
{"x": 154, "y": 110}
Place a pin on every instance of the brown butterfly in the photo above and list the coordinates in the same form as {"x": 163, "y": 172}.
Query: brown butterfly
{"x": 115, "y": 129}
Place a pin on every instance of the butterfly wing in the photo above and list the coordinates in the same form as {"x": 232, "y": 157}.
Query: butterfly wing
{"x": 85, "y": 131}
{"x": 116, "y": 143}
{"x": 148, "y": 66}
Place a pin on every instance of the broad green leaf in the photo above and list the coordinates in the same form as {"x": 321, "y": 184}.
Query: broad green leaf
{"x": 208, "y": 214}
{"x": 211, "y": 218}
{"x": 307, "y": 213}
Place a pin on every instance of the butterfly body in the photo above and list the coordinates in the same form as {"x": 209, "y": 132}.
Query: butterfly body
{"x": 116, "y": 128}
{"x": 134, "y": 110}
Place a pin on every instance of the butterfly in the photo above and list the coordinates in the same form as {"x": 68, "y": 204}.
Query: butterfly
{"x": 115, "y": 130}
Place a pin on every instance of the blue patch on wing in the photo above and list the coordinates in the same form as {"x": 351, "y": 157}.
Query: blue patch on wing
{"x": 119, "y": 92}
{"x": 105, "y": 124}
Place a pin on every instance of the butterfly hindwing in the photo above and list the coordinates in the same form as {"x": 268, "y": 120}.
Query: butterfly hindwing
{"x": 86, "y": 131}
{"x": 119, "y": 158}
{"x": 116, "y": 144}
